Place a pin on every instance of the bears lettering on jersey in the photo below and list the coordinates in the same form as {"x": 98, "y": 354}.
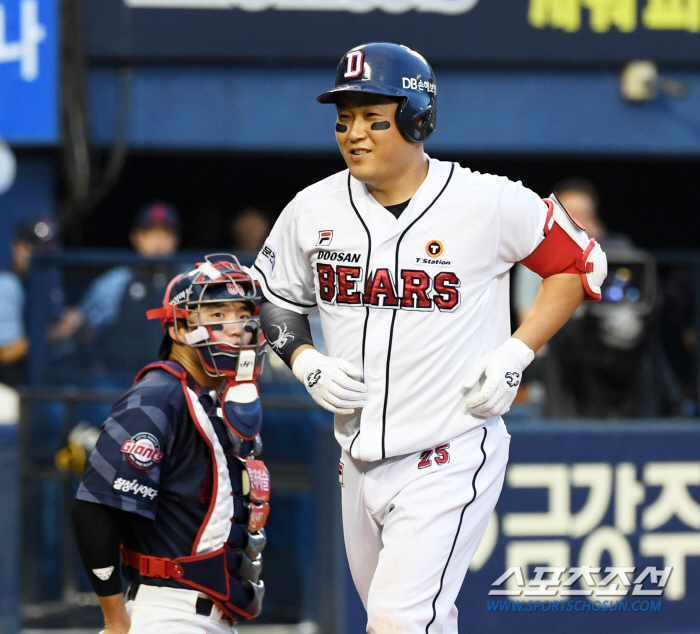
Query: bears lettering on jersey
{"x": 417, "y": 289}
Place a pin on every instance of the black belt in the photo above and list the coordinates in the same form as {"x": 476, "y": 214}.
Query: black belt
{"x": 205, "y": 606}
{"x": 132, "y": 590}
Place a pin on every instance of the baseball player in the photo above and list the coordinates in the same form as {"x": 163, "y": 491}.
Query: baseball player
{"x": 172, "y": 481}
{"x": 407, "y": 260}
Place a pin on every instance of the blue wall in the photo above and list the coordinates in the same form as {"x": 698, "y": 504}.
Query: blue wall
{"x": 33, "y": 194}
{"x": 505, "y": 112}
{"x": 9, "y": 530}
{"x": 611, "y": 477}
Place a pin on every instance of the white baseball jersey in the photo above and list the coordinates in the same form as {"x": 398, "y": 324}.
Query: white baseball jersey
{"x": 413, "y": 301}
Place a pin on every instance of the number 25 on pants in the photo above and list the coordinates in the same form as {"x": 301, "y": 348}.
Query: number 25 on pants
{"x": 442, "y": 456}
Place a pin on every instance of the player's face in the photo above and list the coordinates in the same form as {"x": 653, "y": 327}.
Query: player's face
{"x": 372, "y": 146}
{"x": 226, "y": 321}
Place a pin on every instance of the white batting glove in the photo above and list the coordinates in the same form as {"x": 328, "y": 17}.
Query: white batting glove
{"x": 333, "y": 383}
{"x": 503, "y": 371}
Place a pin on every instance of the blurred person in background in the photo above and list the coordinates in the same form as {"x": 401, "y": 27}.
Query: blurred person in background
{"x": 249, "y": 228}
{"x": 31, "y": 238}
{"x": 679, "y": 335}
{"x": 580, "y": 197}
{"x": 606, "y": 361}
{"x": 111, "y": 311}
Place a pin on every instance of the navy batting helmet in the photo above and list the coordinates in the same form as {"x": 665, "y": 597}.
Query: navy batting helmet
{"x": 388, "y": 69}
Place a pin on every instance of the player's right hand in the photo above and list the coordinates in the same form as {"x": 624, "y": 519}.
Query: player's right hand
{"x": 335, "y": 384}
{"x": 502, "y": 371}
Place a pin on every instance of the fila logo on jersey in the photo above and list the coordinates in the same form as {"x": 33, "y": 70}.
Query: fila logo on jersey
{"x": 416, "y": 290}
{"x": 142, "y": 450}
{"x": 324, "y": 238}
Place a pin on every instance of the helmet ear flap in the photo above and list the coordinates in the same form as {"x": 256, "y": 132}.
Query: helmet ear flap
{"x": 425, "y": 116}
{"x": 416, "y": 127}
{"x": 406, "y": 122}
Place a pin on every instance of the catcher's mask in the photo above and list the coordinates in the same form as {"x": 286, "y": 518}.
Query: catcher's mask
{"x": 220, "y": 279}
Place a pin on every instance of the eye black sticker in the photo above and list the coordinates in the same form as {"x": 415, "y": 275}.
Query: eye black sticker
{"x": 381, "y": 125}
{"x": 341, "y": 127}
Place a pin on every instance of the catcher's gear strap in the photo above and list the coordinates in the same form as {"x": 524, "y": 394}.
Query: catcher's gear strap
{"x": 97, "y": 534}
{"x": 167, "y": 313}
{"x": 208, "y": 573}
{"x": 567, "y": 249}
{"x": 284, "y": 330}
{"x": 171, "y": 367}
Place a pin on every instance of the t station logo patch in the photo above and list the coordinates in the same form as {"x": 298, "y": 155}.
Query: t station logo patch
{"x": 434, "y": 248}
{"x": 324, "y": 238}
{"x": 142, "y": 450}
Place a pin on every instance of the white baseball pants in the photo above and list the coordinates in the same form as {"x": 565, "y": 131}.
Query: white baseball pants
{"x": 413, "y": 523}
{"x": 157, "y": 610}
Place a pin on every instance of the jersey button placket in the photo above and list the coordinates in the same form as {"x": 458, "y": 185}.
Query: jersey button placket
{"x": 378, "y": 334}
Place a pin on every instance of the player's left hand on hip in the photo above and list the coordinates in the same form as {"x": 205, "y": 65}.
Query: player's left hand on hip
{"x": 502, "y": 370}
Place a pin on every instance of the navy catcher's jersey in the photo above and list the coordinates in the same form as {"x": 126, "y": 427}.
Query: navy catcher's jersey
{"x": 151, "y": 461}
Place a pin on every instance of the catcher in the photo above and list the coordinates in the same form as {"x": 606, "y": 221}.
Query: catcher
{"x": 169, "y": 481}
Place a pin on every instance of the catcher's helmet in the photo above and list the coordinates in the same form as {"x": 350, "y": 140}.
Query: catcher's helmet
{"x": 394, "y": 71}
{"x": 220, "y": 278}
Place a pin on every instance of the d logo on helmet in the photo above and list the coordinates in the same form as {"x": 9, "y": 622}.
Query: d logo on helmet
{"x": 355, "y": 62}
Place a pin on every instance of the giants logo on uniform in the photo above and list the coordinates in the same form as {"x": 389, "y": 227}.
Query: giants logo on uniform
{"x": 417, "y": 290}
{"x": 356, "y": 60}
{"x": 142, "y": 450}
{"x": 324, "y": 238}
